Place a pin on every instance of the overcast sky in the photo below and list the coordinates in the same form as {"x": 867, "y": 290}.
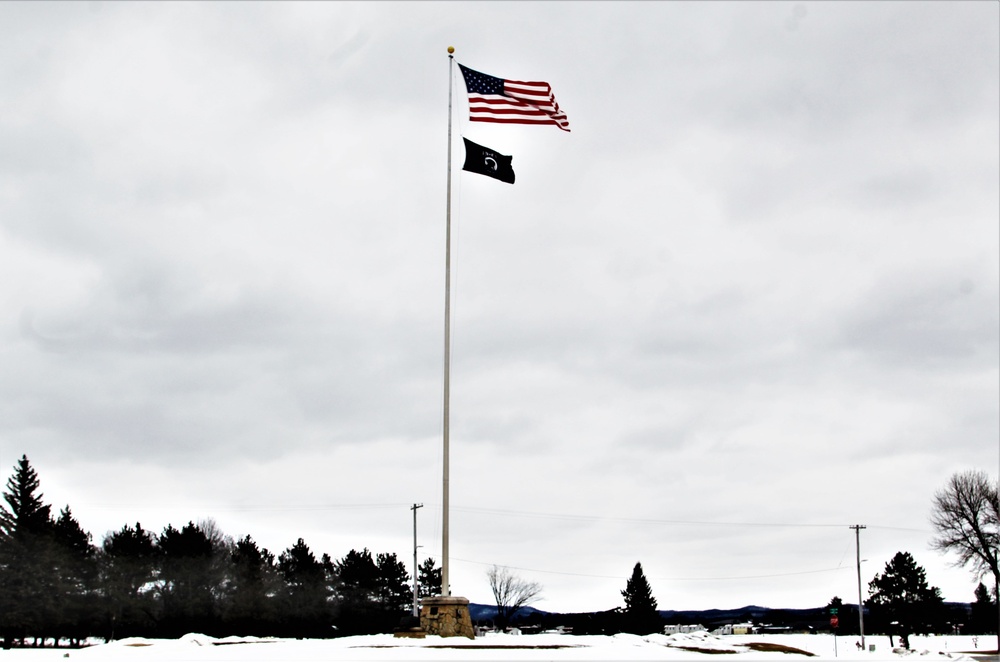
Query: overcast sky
{"x": 750, "y": 300}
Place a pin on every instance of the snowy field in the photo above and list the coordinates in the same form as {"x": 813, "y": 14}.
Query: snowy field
{"x": 699, "y": 646}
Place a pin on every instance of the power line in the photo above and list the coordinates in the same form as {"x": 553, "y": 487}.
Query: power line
{"x": 253, "y": 507}
{"x": 488, "y": 511}
{"x": 636, "y": 520}
{"x": 665, "y": 579}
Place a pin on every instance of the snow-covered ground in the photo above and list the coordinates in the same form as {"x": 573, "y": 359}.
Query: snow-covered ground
{"x": 194, "y": 647}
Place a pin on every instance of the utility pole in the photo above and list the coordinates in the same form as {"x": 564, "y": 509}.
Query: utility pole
{"x": 861, "y": 605}
{"x": 416, "y": 608}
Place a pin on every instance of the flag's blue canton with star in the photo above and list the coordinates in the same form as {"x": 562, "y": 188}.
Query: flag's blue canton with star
{"x": 480, "y": 83}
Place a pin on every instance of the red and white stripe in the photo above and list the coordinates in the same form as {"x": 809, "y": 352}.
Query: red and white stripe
{"x": 525, "y": 102}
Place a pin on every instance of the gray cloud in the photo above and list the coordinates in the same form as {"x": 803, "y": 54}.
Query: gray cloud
{"x": 756, "y": 285}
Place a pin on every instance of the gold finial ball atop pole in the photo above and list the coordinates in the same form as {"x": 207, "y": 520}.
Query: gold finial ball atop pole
{"x": 451, "y": 49}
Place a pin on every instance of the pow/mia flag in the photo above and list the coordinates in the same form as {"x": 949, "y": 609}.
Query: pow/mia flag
{"x": 485, "y": 161}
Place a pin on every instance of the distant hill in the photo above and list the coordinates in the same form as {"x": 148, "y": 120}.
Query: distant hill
{"x": 481, "y": 612}
{"x": 813, "y": 619}
{"x": 711, "y": 616}
{"x": 488, "y": 612}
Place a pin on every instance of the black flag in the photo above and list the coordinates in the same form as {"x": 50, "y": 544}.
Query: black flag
{"x": 485, "y": 161}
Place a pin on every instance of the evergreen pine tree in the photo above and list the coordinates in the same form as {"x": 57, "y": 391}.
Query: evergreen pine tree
{"x": 249, "y": 607}
{"x": 984, "y": 616}
{"x": 28, "y": 586}
{"x": 847, "y": 616}
{"x": 308, "y": 612}
{"x": 430, "y": 579}
{"x": 901, "y": 596}
{"x": 393, "y": 593}
{"x": 190, "y": 581}
{"x": 26, "y": 514}
{"x": 129, "y": 562}
{"x": 357, "y": 581}
{"x": 640, "y": 615}
{"x": 76, "y": 576}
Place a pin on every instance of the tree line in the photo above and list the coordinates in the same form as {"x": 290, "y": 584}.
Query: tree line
{"x": 55, "y": 583}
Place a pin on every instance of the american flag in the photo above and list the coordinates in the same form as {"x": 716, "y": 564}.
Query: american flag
{"x": 493, "y": 99}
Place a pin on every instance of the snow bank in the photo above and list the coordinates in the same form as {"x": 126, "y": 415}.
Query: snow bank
{"x": 682, "y": 646}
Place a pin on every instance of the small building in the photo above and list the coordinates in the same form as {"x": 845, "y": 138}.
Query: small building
{"x": 736, "y": 628}
{"x": 682, "y": 629}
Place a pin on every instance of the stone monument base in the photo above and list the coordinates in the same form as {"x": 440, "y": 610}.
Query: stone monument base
{"x": 446, "y": 616}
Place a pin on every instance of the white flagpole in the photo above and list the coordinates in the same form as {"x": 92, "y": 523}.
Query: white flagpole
{"x": 445, "y": 587}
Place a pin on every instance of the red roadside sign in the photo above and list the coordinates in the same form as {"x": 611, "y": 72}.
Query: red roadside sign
{"x": 834, "y": 621}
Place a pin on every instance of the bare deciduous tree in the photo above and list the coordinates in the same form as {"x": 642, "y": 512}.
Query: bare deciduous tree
{"x": 966, "y": 518}
{"x": 511, "y": 593}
